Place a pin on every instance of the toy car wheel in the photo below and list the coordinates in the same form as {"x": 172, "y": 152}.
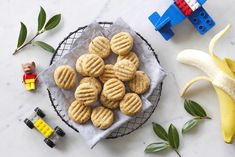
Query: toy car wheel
{"x": 49, "y": 142}
{"x": 29, "y": 123}
{"x": 59, "y": 131}
{"x": 39, "y": 112}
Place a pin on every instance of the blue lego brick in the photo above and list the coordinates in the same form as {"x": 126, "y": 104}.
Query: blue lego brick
{"x": 201, "y": 20}
{"x": 201, "y": 2}
{"x": 154, "y": 18}
{"x": 170, "y": 18}
{"x": 166, "y": 32}
{"x": 163, "y": 28}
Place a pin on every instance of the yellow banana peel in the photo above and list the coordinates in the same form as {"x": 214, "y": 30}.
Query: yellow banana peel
{"x": 216, "y": 68}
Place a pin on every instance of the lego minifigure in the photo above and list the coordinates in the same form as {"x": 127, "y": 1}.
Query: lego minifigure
{"x": 30, "y": 77}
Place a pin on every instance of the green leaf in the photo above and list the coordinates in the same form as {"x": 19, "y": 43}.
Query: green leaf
{"x": 41, "y": 18}
{"x": 44, "y": 46}
{"x": 22, "y": 35}
{"x": 156, "y": 147}
{"x": 194, "y": 108}
{"x": 160, "y": 131}
{"x": 190, "y": 125}
{"x": 173, "y": 137}
{"x": 53, "y": 22}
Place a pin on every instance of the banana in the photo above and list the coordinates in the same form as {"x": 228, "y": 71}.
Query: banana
{"x": 220, "y": 73}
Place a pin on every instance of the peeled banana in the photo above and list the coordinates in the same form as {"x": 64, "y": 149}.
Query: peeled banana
{"x": 220, "y": 73}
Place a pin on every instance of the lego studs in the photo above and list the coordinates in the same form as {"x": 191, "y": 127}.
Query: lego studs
{"x": 29, "y": 77}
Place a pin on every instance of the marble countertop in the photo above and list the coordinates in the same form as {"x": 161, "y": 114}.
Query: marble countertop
{"x": 16, "y": 103}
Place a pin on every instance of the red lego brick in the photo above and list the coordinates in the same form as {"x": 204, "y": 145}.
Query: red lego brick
{"x": 184, "y": 7}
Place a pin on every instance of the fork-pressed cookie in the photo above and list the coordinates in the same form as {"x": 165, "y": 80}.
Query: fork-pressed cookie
{"x": 92, "y": 81}
{"x": 79, "y": 113}
{"x": 100, "y": 46}
{"x": 65, "y": 77}
{"x": 121, "y": 43}
{"x": 125, "y": 70}
{"x": 79, "y": 65}
{"x": 131, "y": 57}
{"x": 93, "y": 65}
{"x": 86, "y": 94}
{"x": 131, "y": 104}
{"x": 102, "y": 117}
{"x": 140, "y": 83}
{"x": 108, "y": 73}
{"x": 114, "y": 89}
{"x": 111, "y": 104}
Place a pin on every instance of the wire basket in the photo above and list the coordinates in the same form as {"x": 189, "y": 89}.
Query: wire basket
{"x": 125, "y": 129}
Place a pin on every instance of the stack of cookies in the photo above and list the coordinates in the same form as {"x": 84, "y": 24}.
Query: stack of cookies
{"x": 106, "y": 83}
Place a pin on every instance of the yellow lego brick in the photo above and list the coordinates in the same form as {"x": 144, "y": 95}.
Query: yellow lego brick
{"x": 43, "y": 127}
{"x": 30, "y": 86}
{"x": 30, "y": 81}
{"x": 27, "y": 86}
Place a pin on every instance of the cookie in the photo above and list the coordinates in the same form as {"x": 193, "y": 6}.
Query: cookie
{"x": 65, "y": 77}
{"x": 79, "y": 65}
{"x": 79, "y": 113}
{"x": 111, "y": 104}
{"x": 102, "y": 117}
{"x": 92, "y": 81}
{"x": 108, "y": 73}
{"x": 121, "y": 43}
{"x": 93, "y": 65}
{"x": 125, "y": 70}
{"x": 100, "y": 46}
{"x": 131, "y": 104}
{"x": 131, "y": 57}
{"x": 86, "y": 94}
{"x": 114, "y": 89}
{"x": 140, "y": 83}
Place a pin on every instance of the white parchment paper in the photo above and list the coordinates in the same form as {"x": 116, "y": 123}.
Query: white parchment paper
{"x": 64, "y": 98}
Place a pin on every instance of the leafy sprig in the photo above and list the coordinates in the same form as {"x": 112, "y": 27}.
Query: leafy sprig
{"x": 196, "y": 110}
{"x": 170, "y": 139}
{"x": 42, "y": 27}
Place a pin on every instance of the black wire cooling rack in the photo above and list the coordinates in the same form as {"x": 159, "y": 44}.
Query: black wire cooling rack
{"x": 127, "y": 128}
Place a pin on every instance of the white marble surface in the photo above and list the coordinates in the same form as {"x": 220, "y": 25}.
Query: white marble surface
{"x": 18, "y": 140}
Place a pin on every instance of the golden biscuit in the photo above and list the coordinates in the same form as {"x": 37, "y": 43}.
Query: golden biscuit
{"x": 86, "y": 94}
{"x": 125, "y": 70}
{"x": 121, "y": 43}
{"x": 131, "y": 57}
{"x": 93, "y": 65}
{"x": 131, "y": 104}
{"x": 79, "y": 113}
{"x": 108, "y": 103}
{"x": 79, "y": 65}
{"x": 92, "y": 81}
{"x": 65, "y": 77}
{"x": 140, "y": 83}
{"x": 108, "y": 73}
{"x": 102, "y": 117}
{"x": 100, "y": 46}
{"x": 114, "y": 89}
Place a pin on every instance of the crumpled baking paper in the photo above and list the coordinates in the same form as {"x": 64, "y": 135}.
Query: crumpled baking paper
{"x": 64, "y": 98}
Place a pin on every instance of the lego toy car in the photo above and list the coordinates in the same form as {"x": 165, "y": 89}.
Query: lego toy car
{"x": 35, "y": 120}
{"x": 178, "y": 12}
